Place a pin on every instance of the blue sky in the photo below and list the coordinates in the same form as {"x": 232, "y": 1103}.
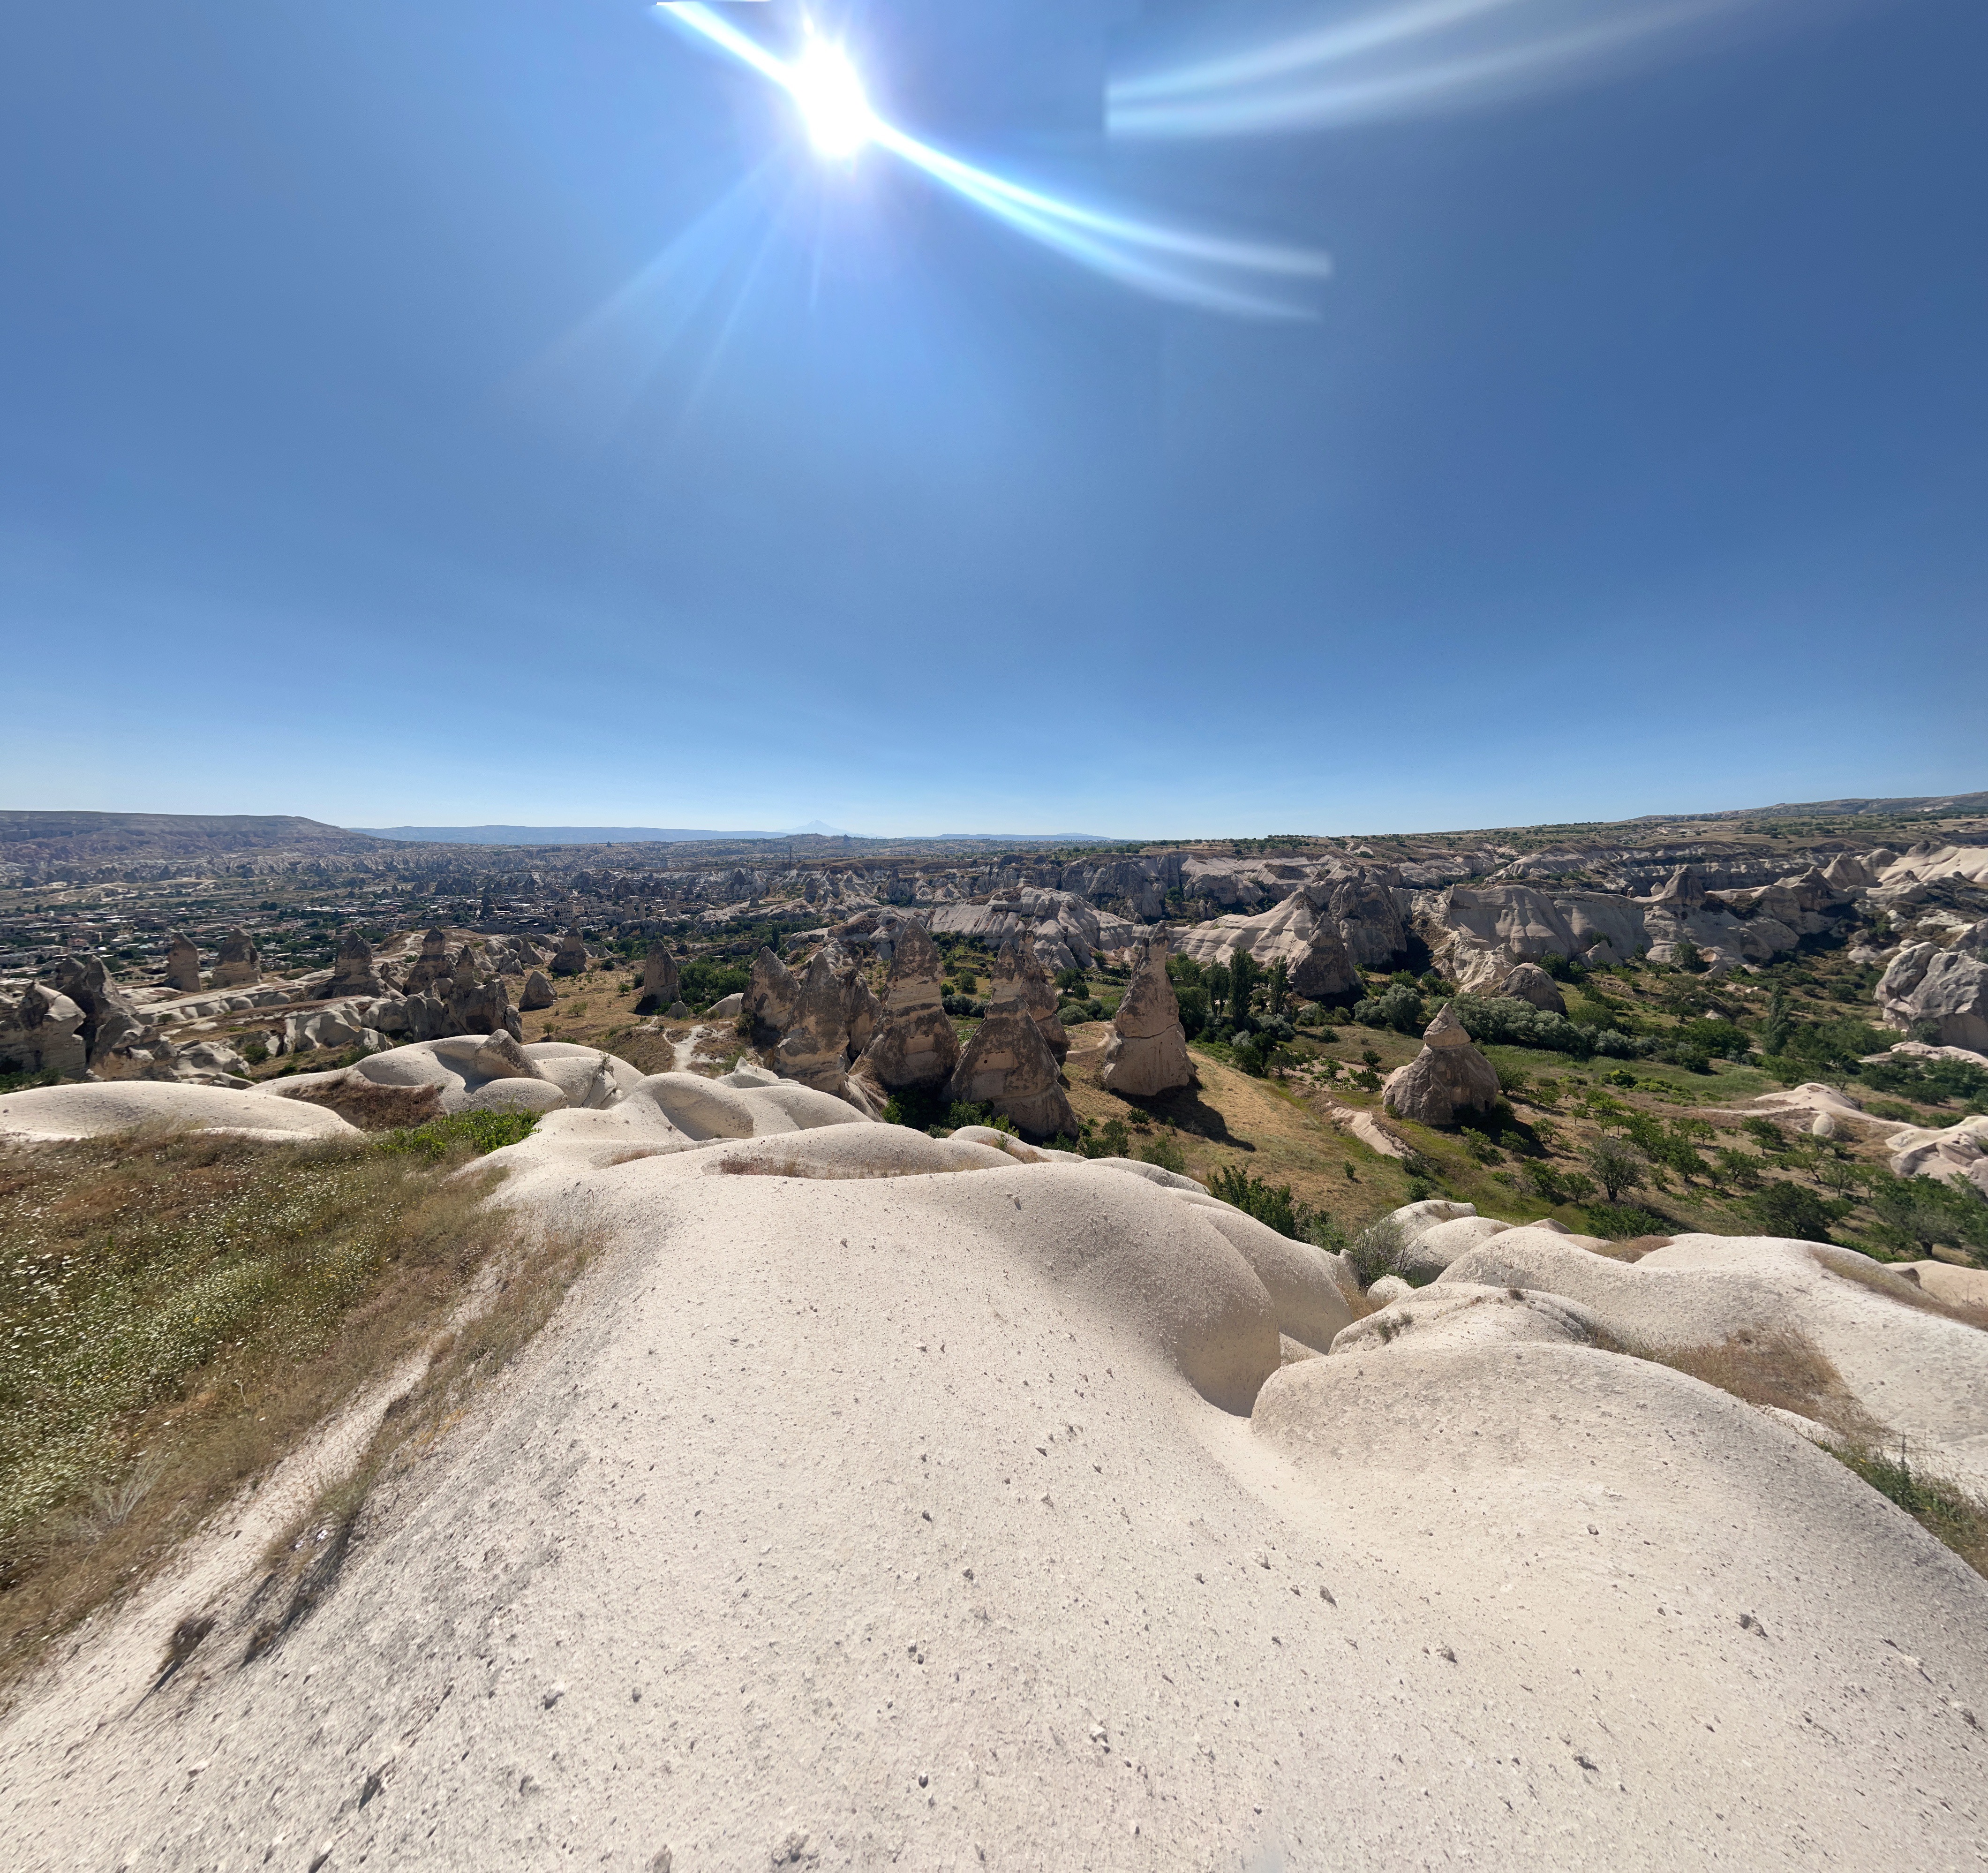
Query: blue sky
{"x": 501, "y": 413}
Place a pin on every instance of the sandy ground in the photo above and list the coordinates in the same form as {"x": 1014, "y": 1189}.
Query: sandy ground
{"x": 847, "y": 1522}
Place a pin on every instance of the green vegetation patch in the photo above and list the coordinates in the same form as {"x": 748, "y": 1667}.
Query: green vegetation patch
{"x": 455, "y": 1132}
{"x": 1941, "y": 1508}
{"x": 146, "y": 1279}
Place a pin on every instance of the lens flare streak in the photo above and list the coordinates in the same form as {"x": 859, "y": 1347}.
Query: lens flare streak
{"x": 1329, "y": 75}
{"x": 1207, "y": 271}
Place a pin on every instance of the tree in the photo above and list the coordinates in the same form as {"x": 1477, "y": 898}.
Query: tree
{"x": 1616, "y": 1168}
{"x": 1193, "y": 1001}
{"x": 1917, "y": 1212}
{"x": 1214, "y": 979}
{"x": 1280, "y": 985}
{"x": 1789, "y": 1209}
{"x": 1778, "y": 1029}
{"x": 1243, "y": 976}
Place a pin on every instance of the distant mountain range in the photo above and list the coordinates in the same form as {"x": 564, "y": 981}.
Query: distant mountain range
{"x": 573, "y": 835}
{"x": 667, "y": 835}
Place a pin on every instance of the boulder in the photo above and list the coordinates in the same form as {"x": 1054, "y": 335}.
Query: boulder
{"x": 1147, "y": 1054}
{"x": 727, "y": 1007}
{"x": 1008, "y": 1065}
{"x": 1449, "y": 1078}
{"x": 537, "y": 992}
{"x": 352, "y": 970}
{"x": 571, "y": 957}
{"x": 183, "y": 965}
{"x": 915, "y": 1046}
{"x": 241, "y": 963}
{"x": 1528, "y": 982}
{"x": 500, "y": 1057}
{"x": 1946, "y": 989}
{"x": 660, "y": 980}
{"x": 337, "y": 1026}
{"x": 110, "y": 1024}
{"x": 41, "y": 1033}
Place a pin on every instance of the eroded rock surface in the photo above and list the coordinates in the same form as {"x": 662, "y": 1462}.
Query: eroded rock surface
{"x": 1447, "y": 1081}
{"x": 1945, "y": 990}
{"x": 914, "y": 1045}
{"x": 1146, "y": 1054}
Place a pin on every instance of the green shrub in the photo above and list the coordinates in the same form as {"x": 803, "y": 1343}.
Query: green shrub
{"x": 1193, "y": 1000}
{"x": 1503, "y": 1020}
{"x": 480, "y": 1132}
{"x": 1621, "y": 1222}
{"x": 1935, "y": 1081}
{"x": 1165, "y": 1151}
{"x": 1942, "y": 1508}
{"x": 1891, "y": 1109}
{"x": 1112, "y": 1139}
{"x": 919, "y": 1107}
{"x": 1255, "y": 1051}
{"x": 1378, "y": 1249}
{"x": 964, "y": 1112}
{"x": 1917, "y": 1214}
{"x": 27, "y": 1082}
{"x": 1270, "y": 1204}
{"x": 1481, "y": 1147}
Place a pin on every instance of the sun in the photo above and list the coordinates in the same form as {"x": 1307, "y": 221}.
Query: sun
{"x": 825, "y": 85}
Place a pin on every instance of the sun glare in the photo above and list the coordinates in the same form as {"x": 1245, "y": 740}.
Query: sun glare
{"x": 825, "y": 85}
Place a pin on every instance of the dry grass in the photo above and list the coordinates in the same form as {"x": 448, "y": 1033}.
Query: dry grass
{"x": 179, "y": 1312}
{"x": 1783, "y": 1369}
{"x": 377, "y": 1108}
{"x": 1847, "y": 1265}
{"x": 1633, "y": 1249}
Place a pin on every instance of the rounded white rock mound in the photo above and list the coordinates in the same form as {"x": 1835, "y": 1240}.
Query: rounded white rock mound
{"x": 1458, "y": 1314}
{"x": 488, "y": 1072}
{"x": 910, "y": 1477}
{"x": 53, "y": 1114}
{"x": 1877, "y": 1353}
